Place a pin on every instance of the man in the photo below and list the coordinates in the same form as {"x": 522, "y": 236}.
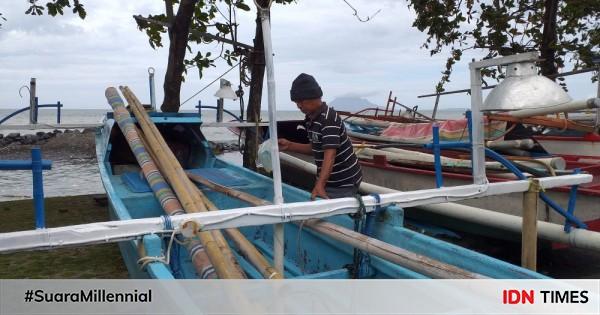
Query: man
{"x": 338, "y": 171}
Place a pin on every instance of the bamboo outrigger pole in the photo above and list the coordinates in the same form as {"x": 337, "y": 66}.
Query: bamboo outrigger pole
{"x": 219, "y": 254}
{"x": 425, "y": 265}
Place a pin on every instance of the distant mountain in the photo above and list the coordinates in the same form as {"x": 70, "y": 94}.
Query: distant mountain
{"x": 350, "y": 104}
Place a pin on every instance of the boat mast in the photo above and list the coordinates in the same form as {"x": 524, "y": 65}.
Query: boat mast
{"x": 278, "y": 235}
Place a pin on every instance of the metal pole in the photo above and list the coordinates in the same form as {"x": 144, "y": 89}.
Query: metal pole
{"x": 278, "y": 235}
{"x": 529, "y": 228}
{"x": 36, "y": 110}
{"x": 388, "y": 101}
{"x": 32, "y": 84}
{"x": 387, "y": 108}
{"x": 58, "y": 106}
{"x": 38, "y": 188}
{"x": 393, "y": 106}
{"x": 435, "y": 107}
{"x": 220, "y": 110}
{"x": 152, "y": 91}
{"x": 478, "y": 154}
{"x": 597, "y": 120}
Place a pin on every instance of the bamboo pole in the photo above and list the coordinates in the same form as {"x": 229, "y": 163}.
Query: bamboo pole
{"x": 217, "y": 235}
{"x": 151, "y": 131}
{"x": 397, "y": 255}
{"x": 529, "y": 229}
{"x": 248, "y": 249}
{"x": 171, "y": 168}
{"x": 149, "y": 165}
{"x": 199, "y": 257}
{"x": 422, "y": 264}
{"x": 251, "y": 199}
{"x": 198, "y": 200}
{"x": 214, "y": 246}
{"x": 544, "y": 121}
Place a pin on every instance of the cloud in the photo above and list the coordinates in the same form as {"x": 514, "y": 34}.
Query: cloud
{"x": 75, "y": 60}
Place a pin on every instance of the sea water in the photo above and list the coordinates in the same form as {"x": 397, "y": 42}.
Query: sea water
{"x": 80, "y": 176}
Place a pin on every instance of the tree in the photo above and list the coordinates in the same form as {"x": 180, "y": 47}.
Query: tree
{"x": 562, "y": 31}
{"x": 193, "y": 23}
{"x": 196, "y": 21}
{"x": 190, "y": 24}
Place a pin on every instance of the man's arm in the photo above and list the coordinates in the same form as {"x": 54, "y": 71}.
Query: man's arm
{"x": 287, "y": 145}
{"x": 326, "y": 167}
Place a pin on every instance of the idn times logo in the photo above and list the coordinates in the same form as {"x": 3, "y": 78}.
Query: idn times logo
{"x": 513, "y": 296}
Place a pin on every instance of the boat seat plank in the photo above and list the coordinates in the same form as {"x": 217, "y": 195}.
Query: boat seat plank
{"x": 136, "y": 183}
{"x": 221, "y": 176}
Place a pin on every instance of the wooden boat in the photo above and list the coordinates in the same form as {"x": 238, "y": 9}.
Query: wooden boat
{"x": 584, "y": 147}
{"x": 309, "y": 254}
{"x": 418, "y": 173}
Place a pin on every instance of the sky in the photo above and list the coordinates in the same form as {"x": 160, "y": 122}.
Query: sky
{"x": 75, "y": 60}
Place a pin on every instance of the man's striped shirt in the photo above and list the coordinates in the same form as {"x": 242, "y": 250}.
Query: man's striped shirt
{"x": 327, "y": 131}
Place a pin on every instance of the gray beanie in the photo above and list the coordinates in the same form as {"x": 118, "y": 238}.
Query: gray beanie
{"x": 305, "y": 87}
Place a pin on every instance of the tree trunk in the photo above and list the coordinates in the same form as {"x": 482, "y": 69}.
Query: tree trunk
{"x": 549, "y": 39}
{"x": 178, "y": 38}
{"x": 254, "y": 100}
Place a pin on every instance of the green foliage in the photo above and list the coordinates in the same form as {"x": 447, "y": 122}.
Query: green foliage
{"x": 504, "y": 27}
{"x": 56, "y": 7}
{"x": 217, "y": 17}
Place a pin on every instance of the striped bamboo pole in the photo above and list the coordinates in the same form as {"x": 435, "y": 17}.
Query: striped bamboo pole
{"x": 195, "y": 248}
{"x": 217, "y": 249}
{"x": 218, "y": 237}
{"x": 161, "y": 189}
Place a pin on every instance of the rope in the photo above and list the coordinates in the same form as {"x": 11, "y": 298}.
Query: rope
{"x": 535, "y": 186}
{"x": 298, "y": 248}
{"x": 378, "y": 204}
{"x": 143, "y": 261}
{"x": 215, "y": 80}
{"x": 360, "y": 260}
{"x": 168, "y": 224}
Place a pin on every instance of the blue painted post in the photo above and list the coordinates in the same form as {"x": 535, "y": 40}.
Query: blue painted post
{"x": 470, "y": 129}
{"x": 439, "y": 181}
{"x": 58, "y": 106}
{"x": 38, "y": 188}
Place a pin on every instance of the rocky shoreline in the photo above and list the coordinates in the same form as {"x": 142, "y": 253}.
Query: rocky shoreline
{"x": 69, "y": 144}
{"x": 55, "y": 144}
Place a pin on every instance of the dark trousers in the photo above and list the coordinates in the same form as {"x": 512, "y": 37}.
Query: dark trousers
{"x": 341, "y": 192}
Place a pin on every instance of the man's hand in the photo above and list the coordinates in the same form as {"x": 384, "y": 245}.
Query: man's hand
{"x": 284, "y": 144}
{"x": 318, "y": 191}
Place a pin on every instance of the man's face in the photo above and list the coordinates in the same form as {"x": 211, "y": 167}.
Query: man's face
{"x": 308, "y": 107}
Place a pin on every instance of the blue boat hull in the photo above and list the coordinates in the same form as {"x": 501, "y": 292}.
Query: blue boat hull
{"x": 308, "y": 255}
